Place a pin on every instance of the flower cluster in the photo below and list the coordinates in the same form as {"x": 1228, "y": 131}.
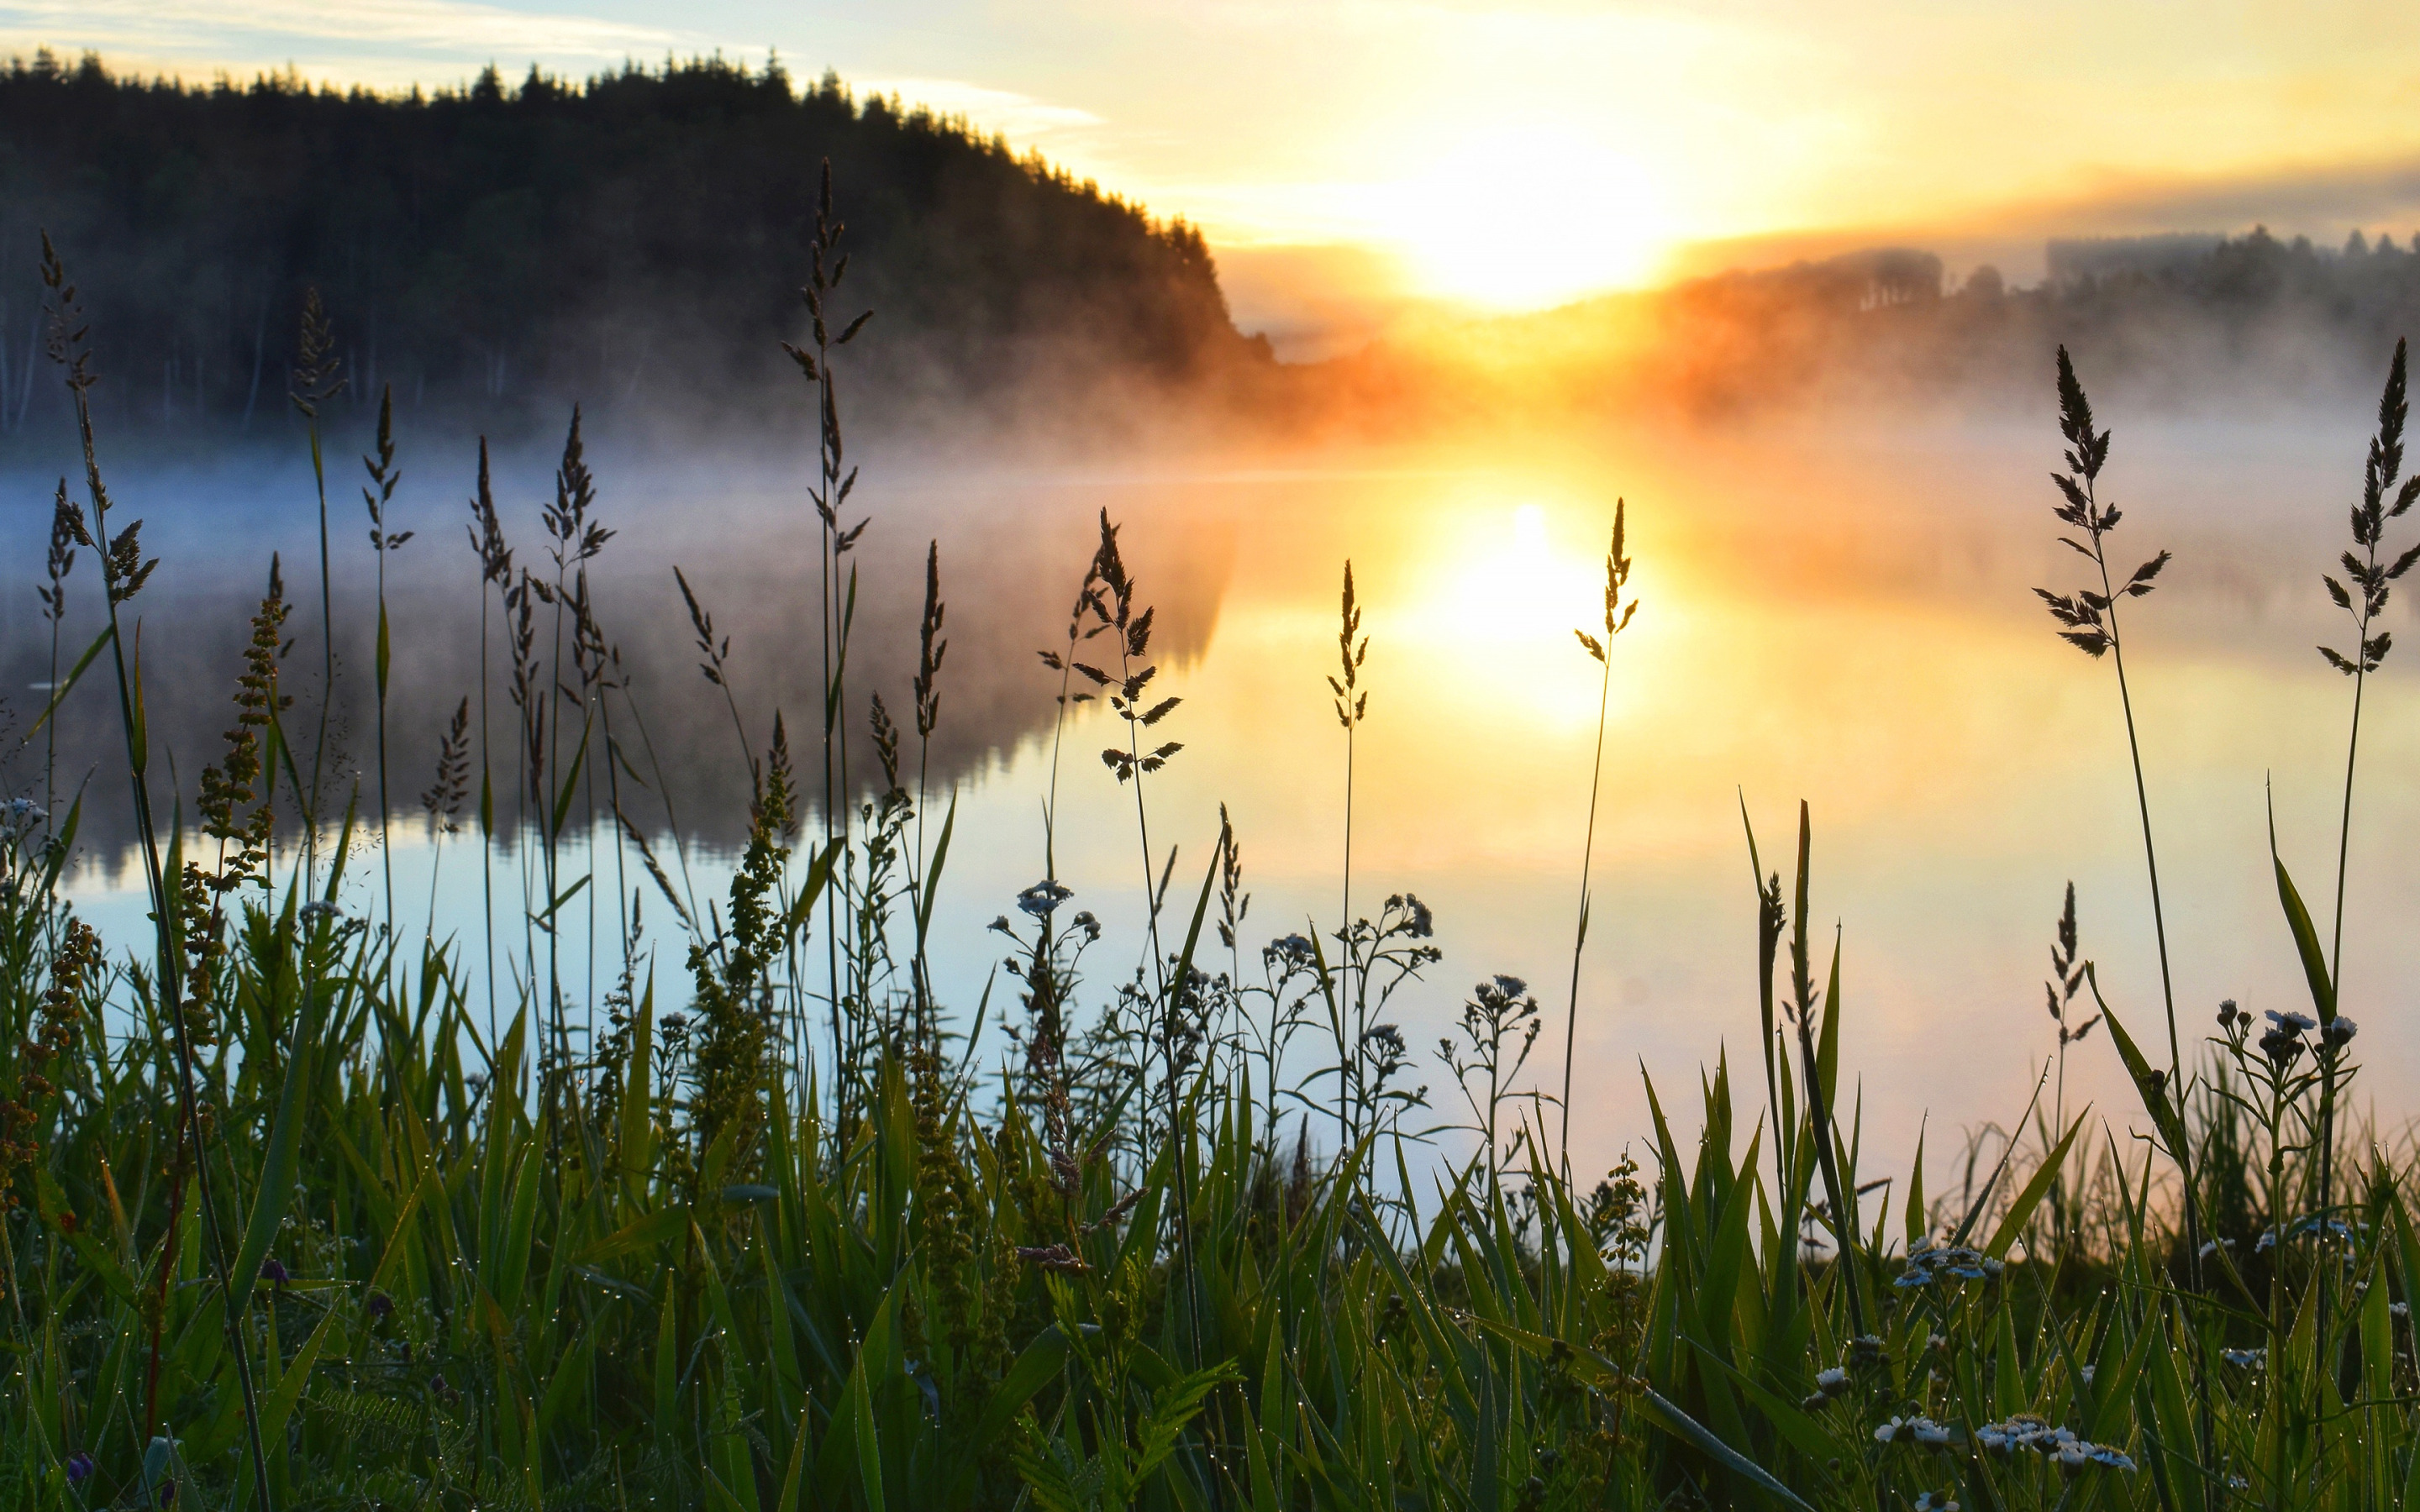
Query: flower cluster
{"x": 2028, "y": 1431}
{"x": 2245, "y": 1358}
{"x": 1042, "y": 899}
{"x": 1947, "y": 1263}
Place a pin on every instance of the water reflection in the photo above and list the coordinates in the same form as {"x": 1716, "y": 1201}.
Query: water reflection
{"x": 1840, "y": 614}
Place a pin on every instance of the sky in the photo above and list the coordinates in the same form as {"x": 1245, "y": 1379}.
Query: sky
{"x": 1343, "y": 155}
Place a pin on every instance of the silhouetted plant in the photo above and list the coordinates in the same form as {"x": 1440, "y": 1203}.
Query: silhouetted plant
{"x": 1618, "y": 611}
{"x": 380, "y": 498}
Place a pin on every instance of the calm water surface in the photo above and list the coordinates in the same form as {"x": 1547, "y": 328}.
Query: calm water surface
{"x": 1830, "y": 613}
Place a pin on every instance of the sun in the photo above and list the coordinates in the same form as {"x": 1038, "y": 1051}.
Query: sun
{"x": 1524, "y": 218}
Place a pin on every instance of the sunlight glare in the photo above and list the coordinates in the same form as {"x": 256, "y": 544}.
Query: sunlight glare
{"x": 1526, "y": 219}
{"x": 1504, "y": 599}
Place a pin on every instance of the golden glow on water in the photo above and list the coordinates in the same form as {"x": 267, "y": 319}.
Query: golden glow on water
{"x": 1805, "y": 631}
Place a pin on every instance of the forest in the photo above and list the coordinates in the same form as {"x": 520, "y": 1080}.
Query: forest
{"x": 635, "y": 241}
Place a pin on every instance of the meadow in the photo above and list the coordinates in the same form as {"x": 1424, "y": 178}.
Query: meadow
{"x": 310, "y": 1209}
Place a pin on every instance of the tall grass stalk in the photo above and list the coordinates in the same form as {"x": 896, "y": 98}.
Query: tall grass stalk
{"x": 2067, "y": 979}
{"x": 58, "y": 563}
{"x": 380, "y": 498}
{"x": 923, "y": 875}
{"x": 2090, "y": 621}
{"x": 1617, "y": 619}
{"x": 495, "y": 570}
{"x": 124, "y": 571}
{"x": 2363, "y": 601}
{"x": 317, "y": 377}
{"x": 574, "y": 539}
{"x": 1351, "y": 705}
{"x": 829, "y": 495}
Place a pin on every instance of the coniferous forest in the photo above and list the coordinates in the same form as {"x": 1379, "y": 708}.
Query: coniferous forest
{"x": 636, "y": 241}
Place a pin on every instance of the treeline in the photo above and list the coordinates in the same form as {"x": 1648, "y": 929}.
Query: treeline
{"x": 2175, "y": 319}
{"x": 635, "y": 240}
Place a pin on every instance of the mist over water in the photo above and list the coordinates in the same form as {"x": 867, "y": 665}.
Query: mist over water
{"x": 1836, "y": 609}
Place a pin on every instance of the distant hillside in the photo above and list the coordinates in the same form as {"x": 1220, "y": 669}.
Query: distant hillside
{"x": 2164, "y": 319}
{"x": 635, "y": 240}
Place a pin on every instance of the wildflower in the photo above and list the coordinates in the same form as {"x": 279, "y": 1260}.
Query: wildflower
{"x": 20, "y": 814}
{"x": 1042, "y": 899}
{"x": 999, "y": 925}
{"x": 2268, "y": 1243}
{"x": 1832, "y": 1382}
{"x": 1936, "y": 1501}
{"x": 80, "y": 1468}
{"x": 2398, "y": 1309}
{"x": 1921, "y": 1430}
{"x": 2088, "y": 1371}
{"x": 319, "y": 909}
{"x": 2245, "y": 1358}
{"x": 2293, "y": 1023}
{"x": 380, "y": 1305}
{"x": 273, "y": 1272}
{"x": 1087, "y": 924}
{"x": 2103, "y": 1454}
{"x": 2341, "y": 1030}
{"x": 1052, "y": 1258}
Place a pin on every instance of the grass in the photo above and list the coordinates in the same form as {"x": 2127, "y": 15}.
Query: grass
{"x": 304, "y": 1213}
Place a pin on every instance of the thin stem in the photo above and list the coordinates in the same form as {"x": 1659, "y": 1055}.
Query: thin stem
{"x": 1348, "y": 1081}
{"x": 328, "y": 662}
{"x": 1579, "y": 938}
{"x": 386, "y": 807}
{"x": 2176, "y": 1088}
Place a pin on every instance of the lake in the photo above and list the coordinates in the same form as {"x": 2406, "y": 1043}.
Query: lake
{"x": 1833, "y": 609}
